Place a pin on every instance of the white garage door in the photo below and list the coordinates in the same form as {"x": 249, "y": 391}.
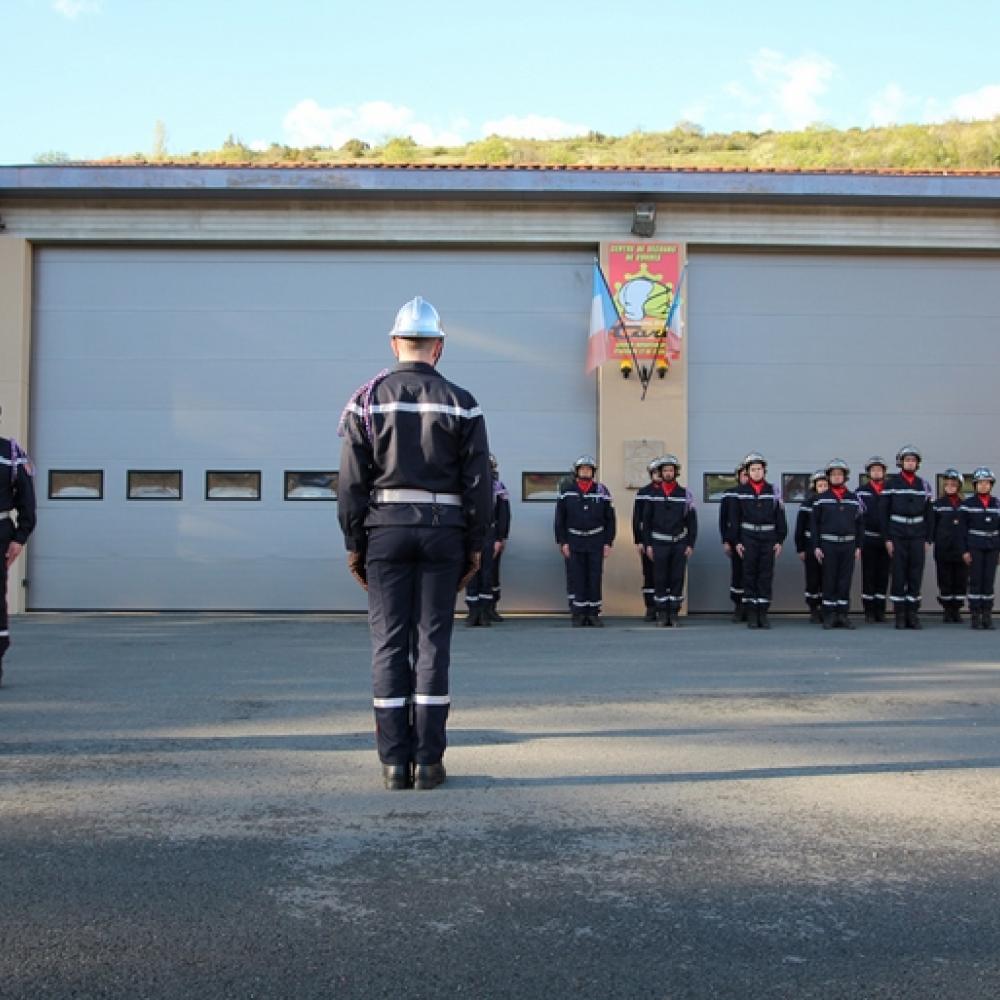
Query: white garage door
{"x": 155, "y": 369}
{"x": 809, "y": 356}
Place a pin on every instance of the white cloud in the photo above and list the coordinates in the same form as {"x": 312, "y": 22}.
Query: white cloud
{"x": 310, "y": 124}
{"x": 533, "y": 127}
{"x": 982, "y": 103}
{"x": 887, "y": 107}
{"x": 74, "y": 8}
{"x": 259, "y": 145}
{"x": 793, "y": 87}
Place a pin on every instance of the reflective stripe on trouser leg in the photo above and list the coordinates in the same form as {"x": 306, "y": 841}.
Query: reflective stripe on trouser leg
{"x": 495, "y": 581}
{"x": 4, "y": 621}
{"x": 479, "y": 589}
{"x": 412, "y": 573}
{"x": 735, "y": 577}
{"x": 982, "y": 574}
{"x": 758, "y": 572}
{"x": 838, "y": 568}
{"x": 648, "y": 584}
{"x": 584, "y": 570}
{"x": 907, "y": 570}
{"x": 669, "y": 564}
{"x": 814, "y": 581}
{"x": 875, "y": 573}
{"x": 952, "y": 580}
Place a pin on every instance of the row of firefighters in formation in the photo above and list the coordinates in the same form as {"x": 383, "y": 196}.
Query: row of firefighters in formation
{"x": 887, "y": 524}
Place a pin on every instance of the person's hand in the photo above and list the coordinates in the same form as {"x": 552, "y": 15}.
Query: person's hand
{"x": 356, "y": 564}
{"x": 888, "y": 547}
{"x": 498, "y": 547}
{"x": 607, "y": 551}
{"x": 688, "y": 551}
{"x": 802, "y": 556}
{"x": 14, "y": 549}
{"x": 649, "y": 551}
{"x": 727, "y": 548}
{"x": 928, "y": 545}
{"x": 818, "y": 553}
{"x": 967, "y": 558}
{"x": 857, "y": 555}
{"x": 639, "y": 548}
{"x": 475, "y": 560}
{"x": 777, "y": 549}
{"x": 740, "y": 549}
{"x": 564, "y": 549}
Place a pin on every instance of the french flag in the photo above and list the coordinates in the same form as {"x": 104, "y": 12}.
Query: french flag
{"x": 675, "y": 319}
{"x": 604, "y": 322}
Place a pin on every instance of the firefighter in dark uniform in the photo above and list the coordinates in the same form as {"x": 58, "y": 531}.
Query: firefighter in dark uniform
{"x": 875, "y": 561}
{"x": 415, "y": 501}
{"x": 818, "y": 485}
{"x": 17, "y": 521}
{"x": 585, "y": 531}
{"x": 479, "y": 593}
{"x": 837, "y": 533}
{"x": 981, "y": 530}
{"x": 757, "y": 531}
{"x": 727, "y": 509}
{"x": 670, "y": 530}
{"x": 501, "y": 529}
{"x": 639, "y": 509}
{"x": 906, "y": 524}
{"x": 949, "y": 548}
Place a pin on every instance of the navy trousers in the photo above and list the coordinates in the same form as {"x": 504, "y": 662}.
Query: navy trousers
{"x": 583, "y": 578}
{"x": 669, "y": 564}
{"x": 908, "y": 555}
{"x": 874, "y": 574}
{"x": 479, "y": 590}
{"x": 4, "y": 624}
{"x": 413, "y": 575}
{"x": 982, "y": 573}
{"x": 838, "y": 569}
{"x": 648, "y": 582}
{"x": 758, "y": 573}
{"x": 735, "y": 577}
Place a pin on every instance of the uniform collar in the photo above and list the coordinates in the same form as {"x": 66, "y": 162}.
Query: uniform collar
{"x": 414, "y": 366}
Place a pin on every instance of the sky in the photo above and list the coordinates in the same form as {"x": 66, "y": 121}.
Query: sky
{"x": 91, "y": 78}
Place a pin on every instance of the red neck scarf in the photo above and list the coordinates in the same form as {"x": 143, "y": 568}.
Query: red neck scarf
{"x": 838, "y": 491}
{"x": 910, "y": 477}
{"x": 953, "y": 498}
{"x": 877, "y": 486}
{"x": 757, "y": 487}
{"x": 984, "y": 499}
{"x": 668, "y": 488}
{"x": 585, "y": 485}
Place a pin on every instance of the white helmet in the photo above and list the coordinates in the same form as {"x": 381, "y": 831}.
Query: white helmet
{"x": 983, "y": 474}
{"x": 669, "y": 459}
{"x": 585, "y": 460}
{"x": 417, "y": 318}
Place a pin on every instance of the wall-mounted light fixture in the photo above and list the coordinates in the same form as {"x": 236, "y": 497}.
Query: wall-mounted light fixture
{"x": 644, "y": 219}
{"x": 626, "y": 368}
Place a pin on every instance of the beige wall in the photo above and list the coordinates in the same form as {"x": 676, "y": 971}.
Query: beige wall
{"x": 15, "y": 325}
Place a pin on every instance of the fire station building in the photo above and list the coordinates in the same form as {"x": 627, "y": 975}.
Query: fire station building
{"x": 177, "y": 343}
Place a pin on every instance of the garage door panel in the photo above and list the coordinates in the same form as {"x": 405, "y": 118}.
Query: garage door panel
{"x": 231, "y": 359}
{"x": 807, "y": 379}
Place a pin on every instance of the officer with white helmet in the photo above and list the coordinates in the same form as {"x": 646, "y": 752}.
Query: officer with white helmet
{"x": 949, "y": 547}
{"x": 757, "y": 531}
{"x": 585, "y": 531}
{"x": 981, "y": 530}
{"x": 818, "y": 485}
{"x": 875, "y": 561}
{"x": 670, "y": 532}
{"x": 908, "y": 529}
{"x": 728, "y": 517}
{"x": 835, "y": 525}
{"x": 415, "y": 502}
{"x": 639, "y": 509}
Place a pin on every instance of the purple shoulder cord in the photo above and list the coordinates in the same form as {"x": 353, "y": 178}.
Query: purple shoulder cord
{"x": 364, "y": 396}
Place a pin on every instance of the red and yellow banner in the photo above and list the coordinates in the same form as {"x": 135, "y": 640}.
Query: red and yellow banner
{"x": 643, "y": 277}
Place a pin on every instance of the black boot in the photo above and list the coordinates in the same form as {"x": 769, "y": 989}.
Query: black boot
{"x": 762, "y": 621}
{"x": 744, "y": 612}
{"x": 492, "y": 614}
{"x": 974, "y": 622}
{"x": 428, "y": 776}
{"x": 750, "y": 616}
{"x": 986, "y": 620}
{"x": 956, "y": 613}
{"x": 844, "y": 620}
{"x": 827, "y": 619}
{"x": 739, "y": 615}
{"x": 913, "y": 617}
{"x": 879, "y": 612}
{"x": 869, "y": 613}
{"x": 900, "y": 615}
{"x": 670, "y": 617}
{"x": 661, "y": 619}
{"x": 595, "y": 620}
{"x": 579, "y": 621}
{"x": 397, "y": 777}
{"x": 650, "y": 615}
{"x": 816, "y": 615}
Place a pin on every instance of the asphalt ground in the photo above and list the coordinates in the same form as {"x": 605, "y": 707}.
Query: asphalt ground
{"x": 190, "y": 806}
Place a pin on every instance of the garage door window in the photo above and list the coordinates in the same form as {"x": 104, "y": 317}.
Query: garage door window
{"x": 305, "y": 485}
{"x": 794, "y": 486}
{"x": 76, "y": 484}
{"x": 542, "y": 487}
{"x": 716, "y": 484}
{"x": 155, "y": 484}
{"x": 244, "y": 485}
